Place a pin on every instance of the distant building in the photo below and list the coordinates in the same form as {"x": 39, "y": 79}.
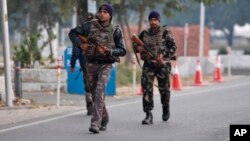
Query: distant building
{"x": 192, "y": 40}
{"x": 178, "y": 33}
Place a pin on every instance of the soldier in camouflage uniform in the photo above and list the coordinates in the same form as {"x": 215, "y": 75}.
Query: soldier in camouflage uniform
{"x": 161, "y": 43}
{"x": 105, "y": 43}
{"x": 78, "y": 54}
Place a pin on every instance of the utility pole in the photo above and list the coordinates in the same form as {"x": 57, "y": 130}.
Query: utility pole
{"x": 202, "y": 24}
{"x": 185, "y": 38}
{"x": 6, "y": 49}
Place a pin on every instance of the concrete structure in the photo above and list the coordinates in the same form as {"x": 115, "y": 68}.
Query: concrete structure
{"x": 42, "y": 80}
{"x": 46, "y": 79}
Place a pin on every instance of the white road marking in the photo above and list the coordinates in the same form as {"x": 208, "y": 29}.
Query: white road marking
{"x": 212, "y": 89}
{"x": 118, "y": 105}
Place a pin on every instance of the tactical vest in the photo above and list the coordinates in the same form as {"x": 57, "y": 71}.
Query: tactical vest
{"x": 103, "y": 36}
{"x": 156, "y": 42}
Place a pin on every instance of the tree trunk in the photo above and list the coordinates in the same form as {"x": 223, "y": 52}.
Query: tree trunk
{"x": 141, "y": 17}
{"x": 229, "y": 36}
{"x": 127, "y": 43}
{"x": 51, "y": 56}
{"x": 82, "y": 9}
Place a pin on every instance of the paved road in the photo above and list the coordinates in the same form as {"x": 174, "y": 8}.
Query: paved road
{"x": 197, "y": 114}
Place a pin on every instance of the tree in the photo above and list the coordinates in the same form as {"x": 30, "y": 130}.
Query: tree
{"x": 31, "y": 16}
{"x": 125, "y": 8}
{"x": 228, "y": 24}
{"x": 222, "y": 14}
{"x": 212, "y": 2}
{"x": 28, "y": 52}
{"x": 225, "y": 16}
{"x": 82, "y": 9}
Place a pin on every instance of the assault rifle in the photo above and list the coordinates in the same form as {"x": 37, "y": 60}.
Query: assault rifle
{"x": 96, "y": 44}
{"x": 135, "y": 39}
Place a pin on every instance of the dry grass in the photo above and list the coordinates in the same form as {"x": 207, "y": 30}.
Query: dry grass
{"x": 25, "y": 103}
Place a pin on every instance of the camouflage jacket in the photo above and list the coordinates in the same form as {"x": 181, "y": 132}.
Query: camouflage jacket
{"x": 160, "y": 41}
{"x": 111, "y": 36}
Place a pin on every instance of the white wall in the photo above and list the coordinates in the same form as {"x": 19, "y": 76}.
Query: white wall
{"x": 187, "y": 65}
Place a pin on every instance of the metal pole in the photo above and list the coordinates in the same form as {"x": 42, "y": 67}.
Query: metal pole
{"x": 185, "y": 38}
{"x": 6, "y": 48}
{"x": 18, "y": 79}
{"x": 202, "y": 24}
{"x": 134, "y": 79}
{"x": 229, "y": 61}
{"x": 134, "y": 74}
{"x": 74, "y": 18}
{"x": 59, "y": 67}
{"x": 62, "y": 37}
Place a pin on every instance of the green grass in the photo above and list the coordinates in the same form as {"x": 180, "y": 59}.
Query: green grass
{"x": 125, "y": 75}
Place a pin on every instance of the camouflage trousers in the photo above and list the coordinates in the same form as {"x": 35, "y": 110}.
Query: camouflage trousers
{"x": 98, "y": 75}
{"x": 150, "y": 71}
{"x": 88, "y": 95}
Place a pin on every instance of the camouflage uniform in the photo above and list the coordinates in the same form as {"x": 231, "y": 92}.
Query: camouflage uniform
{"x": 77, "y": 54}
{"x": 99, "y": 66}
{"x": 160, "y": 42}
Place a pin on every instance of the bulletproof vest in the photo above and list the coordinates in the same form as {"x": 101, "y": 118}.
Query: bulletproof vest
{"x": 100, "y": 36}
{"x": 154, "y": 41}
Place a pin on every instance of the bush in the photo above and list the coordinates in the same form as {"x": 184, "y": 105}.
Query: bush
{"x": 222, "y": 51}
{"x": 247, "y": 51}
{"x": 28, "y": 52}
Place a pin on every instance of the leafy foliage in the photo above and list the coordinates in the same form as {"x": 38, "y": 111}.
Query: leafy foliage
{"x": 31, "y": 16}
{"x": 211, "y": 2}
{"x": 28, "y": 52}
{"x": 222, "y": 51}
{"x": 222, "y": 15}
{"x": 247, "y": 51}
{"x": 225, "y": 16}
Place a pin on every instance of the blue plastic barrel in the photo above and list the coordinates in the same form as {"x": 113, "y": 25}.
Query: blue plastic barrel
{"x": 75, "y": 84}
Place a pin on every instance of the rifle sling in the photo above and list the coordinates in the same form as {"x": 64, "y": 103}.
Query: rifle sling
{"x": 137, "y": 59}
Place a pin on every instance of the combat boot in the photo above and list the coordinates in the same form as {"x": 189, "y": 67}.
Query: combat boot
{"x": 166, "y": 112}
{"x": 104, "y": 123}
{"x": 89, "y": 108}
{"x": 148, "y": 119}
{"x": 94, "y": 129}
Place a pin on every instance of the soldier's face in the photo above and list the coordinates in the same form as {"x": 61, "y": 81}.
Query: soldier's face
{"x": 104, "y": 16}
{"x": 154, "y": 22}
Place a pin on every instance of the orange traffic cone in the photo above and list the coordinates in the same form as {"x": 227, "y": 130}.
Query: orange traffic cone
{"x": 176, "y": 81}
{"x": 217, "y": 70}
{"x": 198, "y": 74}
{"x": 140, "y": 91}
